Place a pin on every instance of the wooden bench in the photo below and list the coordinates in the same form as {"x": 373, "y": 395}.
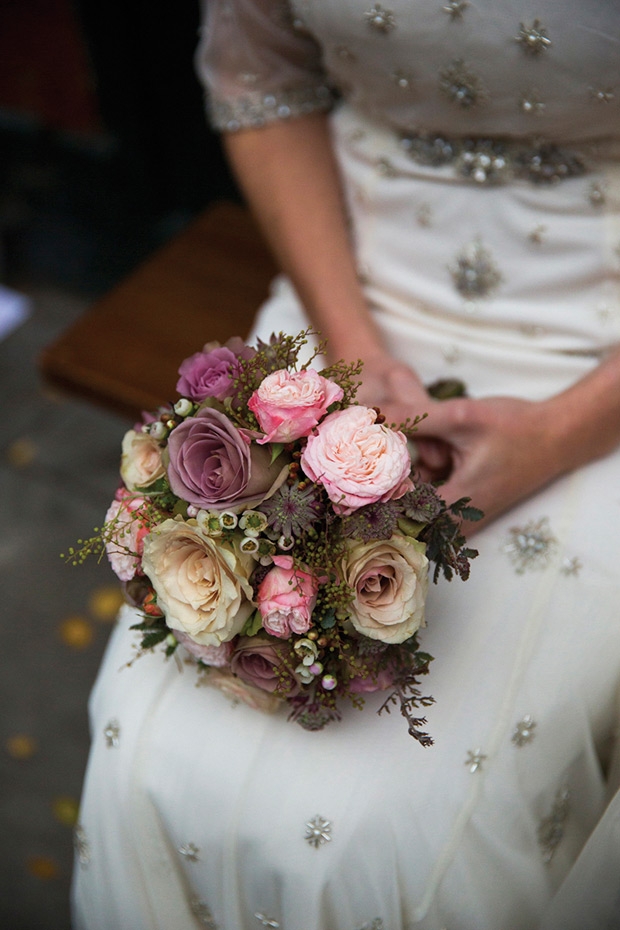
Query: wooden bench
{"x": 205, "y": 284}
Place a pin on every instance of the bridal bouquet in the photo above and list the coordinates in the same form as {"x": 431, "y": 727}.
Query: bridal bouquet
{"x": 274, "y": 529}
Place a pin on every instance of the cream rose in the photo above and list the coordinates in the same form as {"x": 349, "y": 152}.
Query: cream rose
{"x": 389, "y": 579}
{"x": 201, "y": 584}
{"x": 141, "y": 464}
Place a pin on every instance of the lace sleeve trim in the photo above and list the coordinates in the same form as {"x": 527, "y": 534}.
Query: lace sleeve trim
{"x": 257, "y": 109}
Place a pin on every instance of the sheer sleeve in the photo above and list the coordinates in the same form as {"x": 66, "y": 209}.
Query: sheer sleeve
{"x": 258, "y": 64}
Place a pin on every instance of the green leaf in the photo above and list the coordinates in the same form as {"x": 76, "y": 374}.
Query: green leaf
{"x": 328, "y": 620}
{"x": 180, "y": 509}
{"x": 149, "y": 640}
{"x": 253, "y": 624}
{"x": 276, "y": 449}
{"x": 472, "y": 513}
{"x": 410, "y": 527}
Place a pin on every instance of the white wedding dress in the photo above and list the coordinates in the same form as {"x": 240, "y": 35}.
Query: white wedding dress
{"x": 479, "y": 145}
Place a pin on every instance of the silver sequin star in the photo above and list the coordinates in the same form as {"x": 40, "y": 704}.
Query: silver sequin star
{"x": 474, "y": 272}
{"x": 533, "y": 39}
{"x": 524, "y": 731}
{"x": 380, "y": 19}
{"x": 112, "y": 732}
{"x": 455, "y": 8}
{"x": 318, "y": 831}
{"x": 475, "y": 759}
{"x": 81, "y": 845}
{"x": 267, "y": 921}
{"x": 551, "y": 829}
{"x": 571, "y": 566}
{"x": 531, "y": 546}
{"x": 460, "y": 85}
{"x": 190, "y": 852}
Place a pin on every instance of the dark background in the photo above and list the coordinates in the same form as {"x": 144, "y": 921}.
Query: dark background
{"x": 105, "y": 150}
{"x": 104, "y": 155}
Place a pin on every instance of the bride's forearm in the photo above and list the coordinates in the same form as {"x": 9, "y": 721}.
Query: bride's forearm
{"x": 289, "y": 175}
{"x": 585, "y": 418}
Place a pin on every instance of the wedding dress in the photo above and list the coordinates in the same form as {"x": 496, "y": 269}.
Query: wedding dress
{"x": 478, "y": 144}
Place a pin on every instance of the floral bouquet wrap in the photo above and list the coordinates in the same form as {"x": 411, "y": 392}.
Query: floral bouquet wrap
{"x": 273, "y": 529}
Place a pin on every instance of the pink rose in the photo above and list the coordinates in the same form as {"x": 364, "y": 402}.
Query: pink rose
{"x": 357, "y": 460}
{"x": 290, "y": 404}
{"x": 286, "y": 598}
{"x": 266, "y": 664}
{"x": 125, "y": 535}
{"x": 215, "y": 656}
{"x": 208, "y": 373}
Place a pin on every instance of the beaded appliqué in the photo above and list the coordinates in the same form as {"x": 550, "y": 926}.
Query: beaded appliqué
{"x": 474, "y": 272}
{"x": 533, "y": 39}
{"x": 455, "y": 8}
{"x": 551, "y": 829}
{"x": 202, "y": 913}
{"x": 257, "y": 109}
{"x": 112, "y": 732}
{"x": 190, "y": 852}
{"x": 602, "y": 95}
{"x": 571, "y": 566}
{"x": 530, "y": 547}
{"x": 81, "y": 845}
{"x": 475, "y": 759}
{"x": 376, "y": 924}
{"x": 379, "y": 19}
{"x": 460, "y": 85}
{"x": 492, "y": 161}
{"x": 318, "y": 831}
{"x": 524, "y": 731}
{"x": 402, "y": 79}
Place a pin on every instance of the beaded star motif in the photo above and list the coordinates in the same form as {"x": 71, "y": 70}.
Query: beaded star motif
{"x": 533, "y": 39}
{"x": 460, "y": 85}
{"x": 530, "y": 547}
{"x": 380, "y": 19}
{"x": 474, "y": 272}
{"x": 318, "y": 831}
{"x": 524, "y": 731}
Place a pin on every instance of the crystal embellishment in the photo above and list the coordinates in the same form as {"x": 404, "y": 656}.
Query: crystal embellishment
{"x": 190, "y": 852}
{"x": 530, "y": 547}
{"x": 531, "y": 104}
{"x": 267, "y": 921}
{"x": 380, "y": 19}
{"x": 81, "y": 845}
{"x": 256, "y": 110}
{"x": 112, "y": 733}
{"x": 524, "y": 731}
{"x": 571, "y": 566}
{"x": 460, "y": 85}
{"x": 474, "y": 272}
{"x": 493, "y": 161}
{"x": 455, "y": 8}
{"x": 551, "y": 829}
{"x": 475, "y": 759}
{"x": 318, "y": 831}
{"x": 602, "y": 95}
{"x": 533, "y": 39}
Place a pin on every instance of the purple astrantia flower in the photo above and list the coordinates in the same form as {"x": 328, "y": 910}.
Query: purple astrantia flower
{"x": 208, "y": 373}
{"x": 215, "y": 466}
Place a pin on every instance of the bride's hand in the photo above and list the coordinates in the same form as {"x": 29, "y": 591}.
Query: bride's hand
{"x": 503, "y": 449}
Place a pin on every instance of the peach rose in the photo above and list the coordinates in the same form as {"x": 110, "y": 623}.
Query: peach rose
{"x": 288, "y": 404}
{"x": 389, "y": 580}
{"x": 141, "y": 464}
{"x": 201, "y": 584}
{"x": 357, "y": 460}
{"x": 126, "y": 536}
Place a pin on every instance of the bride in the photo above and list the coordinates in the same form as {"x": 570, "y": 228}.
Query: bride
{"x": 440, "y": 184}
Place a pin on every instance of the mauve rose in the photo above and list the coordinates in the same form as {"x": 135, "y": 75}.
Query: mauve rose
{"x": 215, "y": 656}
{"x": 357, "y": 460}
{"x": 215, "y": 466}
{"x": 286, "y": 598}
{"x": 237, "y": 690}
{"x": 289, "y": 404}
{"x": 207, "y": 373}
{"x": 262, "y": 663}
{"x": 366, "y": 684}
